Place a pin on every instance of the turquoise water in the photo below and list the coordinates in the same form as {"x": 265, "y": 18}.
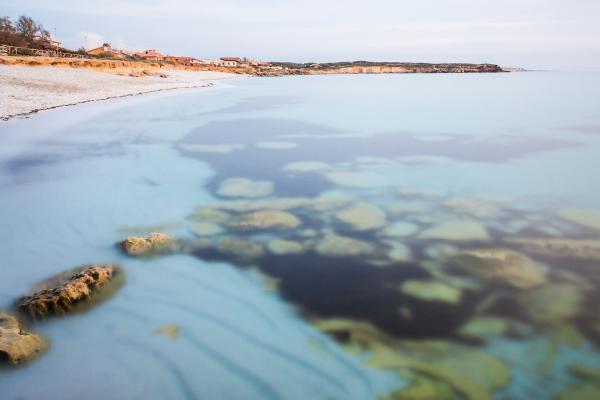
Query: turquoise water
{"x": 438, "y": 164}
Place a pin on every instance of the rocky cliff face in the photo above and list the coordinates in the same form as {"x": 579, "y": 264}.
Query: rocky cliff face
{"x": 405, "y": 69}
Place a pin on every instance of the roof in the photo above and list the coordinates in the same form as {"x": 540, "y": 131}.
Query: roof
{"x": 231, "y": 59}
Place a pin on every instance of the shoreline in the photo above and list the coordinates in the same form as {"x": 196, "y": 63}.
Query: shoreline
{"x": 26, "y": 90}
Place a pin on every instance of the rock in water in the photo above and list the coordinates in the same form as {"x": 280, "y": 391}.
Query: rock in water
{"x": 505, "y": 265}
{"x": 16, "y": 344}
{"x": 362, "y": 217}
{"x": 266, "y": 219}
{"x": 459, "y": 230}
{"x": 431, "y": 291}
{"x": 242, "y": 187}
{"x": 341, "y": 246}
{"x": 153, "y": 244}
{"x": 62, "y": 292}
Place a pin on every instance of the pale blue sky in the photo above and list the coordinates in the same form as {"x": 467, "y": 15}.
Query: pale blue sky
{"x": 544, "y": 34}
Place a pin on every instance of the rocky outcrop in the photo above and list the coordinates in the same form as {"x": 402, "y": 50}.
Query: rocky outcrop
{"x": 63, "y": 292}
{"x": 363, "y": 67}
{"x": 17, "y": 345}
{"x": 501, "y": 265}
{"x": 154, "y": 244}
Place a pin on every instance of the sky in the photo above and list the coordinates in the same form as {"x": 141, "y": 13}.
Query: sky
{"x": 535, "y": 34}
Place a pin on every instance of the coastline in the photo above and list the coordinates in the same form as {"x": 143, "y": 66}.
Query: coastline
{"x": 28, "y": 90}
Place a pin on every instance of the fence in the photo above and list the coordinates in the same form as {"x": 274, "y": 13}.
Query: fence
{"x": 6, "y": 50}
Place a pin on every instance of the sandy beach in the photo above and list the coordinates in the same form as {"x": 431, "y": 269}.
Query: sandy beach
{"x": 25, "y": 90}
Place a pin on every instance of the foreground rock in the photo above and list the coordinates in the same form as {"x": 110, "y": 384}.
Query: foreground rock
{"x": 18, "y": 346}
{"x": 153, "y": 244}
{"x": 503, "y": 265}
{"x": 63, "y": 292}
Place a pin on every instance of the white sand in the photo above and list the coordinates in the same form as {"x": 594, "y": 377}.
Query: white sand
{"x": 28, "y": 89}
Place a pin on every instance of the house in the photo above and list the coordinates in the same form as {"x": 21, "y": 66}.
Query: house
{"x": 48, "y": 41}
{"x": 150, "y": 55}
{"x": 231, "y": 62}
{"x": 183, "y": 60}
{"x": 106, "y": 50}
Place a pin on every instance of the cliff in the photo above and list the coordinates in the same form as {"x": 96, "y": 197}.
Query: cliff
{"x": 365, "y": 67}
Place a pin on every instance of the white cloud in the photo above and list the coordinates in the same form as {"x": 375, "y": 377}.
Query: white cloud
{"x": 91, "y": 40}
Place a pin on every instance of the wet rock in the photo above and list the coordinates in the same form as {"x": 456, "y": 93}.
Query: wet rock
{"x": 560, "y": 248}
{"x": 206, "y": 229}
{"x": 242, "y": 187}
{"x": 280, "y": 247}
{"x": 362, "y": 217}
{"x": 587, "y": 218}
{"x": 339, "y": 246}
{"x": 18, "y": 346}
{"x": 266, "y": 219}
{"x": 551, "y": 304}
{"x": 495, "y": 264}
{"x": 458, "y": 230}
{"x": 63, "y": 292}
{"x": 431, "y": 291}
{"x": 241, "y": 248}
{"x": 153, "y": 244}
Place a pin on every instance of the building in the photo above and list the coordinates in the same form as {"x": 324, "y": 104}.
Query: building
{"x": 150, "y": 55}
{"x": 106, "y": 50}
{"x": 49, "y": 41}
{"x": 231, "y": 62}
{"x": 183, "y": 60}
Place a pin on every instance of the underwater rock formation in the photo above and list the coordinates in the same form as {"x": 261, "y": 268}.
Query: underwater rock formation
{"x": 241, "y": 248}
{"x": 17, "y": 345}
{"x": 281, "y": 246}
{"x": 334, "y": 245}
{"x": 551, "y": 304}
{"x": 62, "y": 292}
{"x": 587, "y": 218}
{"x": 362, "y": 217}
{"x": 560, "y": 248}
{"x": 242, "y": 187}
{"x": 206, "y": 229}
{"x": 153, "y": 244}
{"x": 266, "y": 219}
{"x": 459, "y": 230}
{"x": 431, "y": 291}
{"x": 496, "y": 264}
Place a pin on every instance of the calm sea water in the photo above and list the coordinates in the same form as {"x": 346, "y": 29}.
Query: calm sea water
{"x": 356, "y": 279}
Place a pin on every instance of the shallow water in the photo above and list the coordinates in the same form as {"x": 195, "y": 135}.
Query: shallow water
{"x": 438, "y": 164}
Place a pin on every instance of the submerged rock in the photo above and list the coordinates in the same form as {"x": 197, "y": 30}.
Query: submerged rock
{"x": 400, "y": 229}
{"x": 266, "y": 219}
{"x": 362, "y": 217}
{"x": 17, "y": 345}
{"x": 431, "y": 291}
{"x": 206, "y": 229}
{"x": 153, "y": 244}
{"x": 485, "y": 327}
{"x": 241, "y": 248}
{"x": 170, "y": 331}
{"x": 561, "y": 248}
{"x": 583, "y": 391}
{"x": 478, "y": 208}
{"x": 306, "y": 166}
{"x": 207, "y": 214}
{"x": 339, "y": 246}
{"x": 585, "y": 372}
{"x": 281, "y": 246}
{"x": 242, "y": 187}
{"x": 62, "y": 292}
{"x": 400, "y": 252}
{"x": 423, "y": 387}
{"x": 551, "y": 304}
{"x": 458, "y": 230}
{"x": 587, "y": 218}
{"x": 503, "y": 265}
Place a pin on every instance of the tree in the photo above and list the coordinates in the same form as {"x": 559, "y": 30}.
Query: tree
{"x": 28, "y": 28}
{"x": 6, "y": 25}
